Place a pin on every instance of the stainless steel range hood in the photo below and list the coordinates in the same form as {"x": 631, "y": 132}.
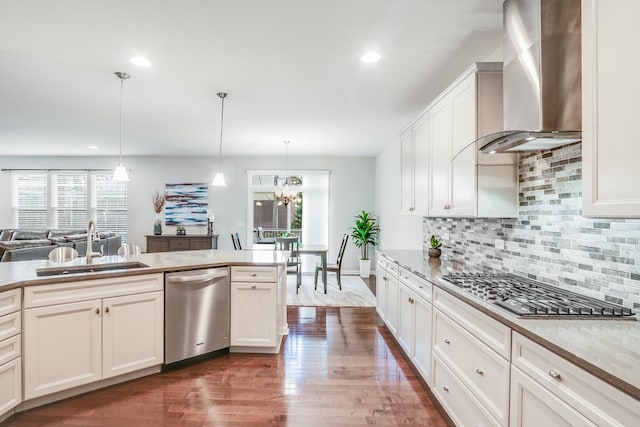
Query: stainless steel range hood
{"x": 542, "y": 77}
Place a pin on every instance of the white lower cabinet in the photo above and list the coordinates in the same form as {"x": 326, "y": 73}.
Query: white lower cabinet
{"x": 254, "y": 314}
{"x": 548, "y": 390}
{"x": 414, "y": 324}
{"x": 71, "y": 344}
{"x": 392, "y": 311}
{"x": 10, "y": 351}
{"x": 381, "y": 291}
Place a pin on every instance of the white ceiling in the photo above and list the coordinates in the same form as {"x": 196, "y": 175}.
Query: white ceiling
{"x": 291, "y": 67}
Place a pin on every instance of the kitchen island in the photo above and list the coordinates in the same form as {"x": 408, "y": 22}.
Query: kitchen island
{"x": 488, "y": 364}
{"x": 80, "y": 327}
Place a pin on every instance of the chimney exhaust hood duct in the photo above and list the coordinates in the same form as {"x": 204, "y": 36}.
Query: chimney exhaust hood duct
{"x": 542, "y": 79}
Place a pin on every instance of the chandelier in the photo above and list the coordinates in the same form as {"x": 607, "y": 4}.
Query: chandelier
{"x": 288, "y": 192}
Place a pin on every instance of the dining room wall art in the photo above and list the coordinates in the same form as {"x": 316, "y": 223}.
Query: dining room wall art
{"x": 186, "y": 204}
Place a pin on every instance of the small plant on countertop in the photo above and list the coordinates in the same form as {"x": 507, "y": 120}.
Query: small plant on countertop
{"x": 434, "y": 251}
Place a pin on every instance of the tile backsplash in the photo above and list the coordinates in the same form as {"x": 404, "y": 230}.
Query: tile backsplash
{"x": 551, "y": 241}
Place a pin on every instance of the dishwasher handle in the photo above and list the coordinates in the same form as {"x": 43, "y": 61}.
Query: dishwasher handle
{"x": 197, "y": 278}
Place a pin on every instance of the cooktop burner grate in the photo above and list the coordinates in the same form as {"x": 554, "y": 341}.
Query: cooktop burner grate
{"x": 526, "y": 297}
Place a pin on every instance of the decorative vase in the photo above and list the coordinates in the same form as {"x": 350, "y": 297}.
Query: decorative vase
{"x": 365, "y": 268}
{"x": 157, "y": 226}
{"x": 434, "y": 253}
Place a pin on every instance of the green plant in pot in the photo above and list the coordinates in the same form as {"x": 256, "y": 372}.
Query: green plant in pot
{"x": 434, "y": 250}
{"x": 365, "y": 233}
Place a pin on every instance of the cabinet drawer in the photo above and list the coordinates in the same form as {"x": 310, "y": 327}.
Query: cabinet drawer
{"x": 181, "y": 244}
{"x": 10, "y": 348}
{"x": 463, "y": 408}
{"x": 84, "y": 290}
{"x": 488, "y": 330}
{"x": 254, "y": 274}
{"x": 419, "y": 285}
{"x": 10, "y": 385}
{"x": 486, "y": 374}
{"x": 598, "y": 401}
{"x": 390, "y": 267}
{"x": 200, "y": 243}
{"x": 10, "y": 301}
{"x": 10, "y": 325}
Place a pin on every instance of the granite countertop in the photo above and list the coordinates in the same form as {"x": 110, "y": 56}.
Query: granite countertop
{"x": 23, "y": 273}
{"x": 609, "y": 349}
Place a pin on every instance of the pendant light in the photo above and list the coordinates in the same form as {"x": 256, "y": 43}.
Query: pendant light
{"x": 288, "y": 192}
{"x": 218, "y": 180}
{"x": 120, "y": 174}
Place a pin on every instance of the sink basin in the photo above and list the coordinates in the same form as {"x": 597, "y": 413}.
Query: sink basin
{"x": 88, "y": 268}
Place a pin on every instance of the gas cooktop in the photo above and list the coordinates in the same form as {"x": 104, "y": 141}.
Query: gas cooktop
{"x": 525, "y": 297}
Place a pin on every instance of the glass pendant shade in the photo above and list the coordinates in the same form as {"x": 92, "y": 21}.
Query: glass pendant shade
{"x": 120, "y": 174}
{"x": 218, "y": 180}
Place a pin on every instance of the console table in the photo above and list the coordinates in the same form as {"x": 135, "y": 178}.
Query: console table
{"x": 171, "y": 243}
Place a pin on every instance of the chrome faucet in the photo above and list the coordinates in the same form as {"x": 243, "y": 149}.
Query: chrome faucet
{"x": 92, "y": 233}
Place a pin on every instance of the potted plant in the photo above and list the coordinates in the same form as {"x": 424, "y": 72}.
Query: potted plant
{"x": 158, "y": 204}
{"x": 365, "y": 233}
{"x": 434, "y": 250}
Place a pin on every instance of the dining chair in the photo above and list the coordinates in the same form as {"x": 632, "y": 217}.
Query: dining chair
{"x": 294, "y": 263}
{"x": 333, "y": 267}
{"x": 236, "y": 241}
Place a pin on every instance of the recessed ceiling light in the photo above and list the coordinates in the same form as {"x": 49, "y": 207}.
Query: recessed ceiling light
{"x": 140, "y": 61}
{"x": 370, "y": 57}
{"x": 92, "y": 147}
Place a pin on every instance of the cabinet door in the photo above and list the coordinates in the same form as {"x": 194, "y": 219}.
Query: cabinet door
{"x": 10, "y": 385}
{"x": 133, "y": 333}
{"x": 463, "y": 157}
{"x": 253, "y": 314}
{"x": 422, "y": 344}
{"x": 610, "y": 93}
{"x": 62, "y": 347}
{"x": 440, "y": 149}
{"x": 421, "y": 166}
{"x": 406, "y": 319}
{"x": 157, "y": 244}
{"x": 391, "y": 315}
{"x": 381, "y": 292}
{"x": 406, "y": 172}
{"x": 534, "y": 406}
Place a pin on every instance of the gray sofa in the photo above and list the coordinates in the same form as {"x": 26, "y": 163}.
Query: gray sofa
{"x": 26, "y": 244}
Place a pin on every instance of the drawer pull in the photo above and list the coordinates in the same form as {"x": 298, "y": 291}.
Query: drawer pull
{"x": 553, "y": 374}
{"x": 253, "y": 286}
{"x": 253, "y": 274}
{"x": 446, "y": 341}
{"x": 106, "y": 310}
{"x": 445, "y": 388}
{"x": 97, "y": 311}
{"x": 479, "y": 371}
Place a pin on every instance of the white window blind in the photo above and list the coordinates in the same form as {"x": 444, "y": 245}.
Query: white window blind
{"x": 30, "y": 200}
{"x": 111, "y": 205}
{"x": 68, "y": 199}
{"x": 71, "y": 197}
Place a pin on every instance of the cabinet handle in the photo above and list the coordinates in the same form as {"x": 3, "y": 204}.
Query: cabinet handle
{"x": 479, "y": 371}
{"x": 553, "y": 374}
{"x": 106, "y": 310}
{"x": 446, "y": 341}
{"x": 97, "y": 311}
{"x": 253, "y": 286}
{"x": 445, "y": 388}
{"x": 253, "y": 274}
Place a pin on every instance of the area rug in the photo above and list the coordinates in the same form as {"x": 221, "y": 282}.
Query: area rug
{"x": 354, "y": 293}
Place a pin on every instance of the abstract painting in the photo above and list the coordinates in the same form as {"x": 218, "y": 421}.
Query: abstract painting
{"x": 186, "y": 204}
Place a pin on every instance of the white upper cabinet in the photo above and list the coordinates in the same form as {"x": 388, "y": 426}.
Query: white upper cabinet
{"x": 462, "y": 181}
{"x": 414, "y": 168}
{"x": 610, "y": 94}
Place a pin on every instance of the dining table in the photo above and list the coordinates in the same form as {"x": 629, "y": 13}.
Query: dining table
{"x": 283, "y": 243}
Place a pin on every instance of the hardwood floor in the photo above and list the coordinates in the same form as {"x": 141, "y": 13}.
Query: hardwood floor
{"x": 338, "y": 366}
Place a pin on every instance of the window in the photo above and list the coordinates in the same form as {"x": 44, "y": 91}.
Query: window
{"x": 67, "y": 199}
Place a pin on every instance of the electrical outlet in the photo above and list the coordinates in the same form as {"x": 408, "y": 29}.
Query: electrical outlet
{"x": 499, "y": 244}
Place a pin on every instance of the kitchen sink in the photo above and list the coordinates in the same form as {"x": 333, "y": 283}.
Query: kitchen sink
{"x": 88, "y": 268}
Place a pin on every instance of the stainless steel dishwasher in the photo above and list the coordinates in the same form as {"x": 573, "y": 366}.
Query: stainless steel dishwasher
{"x": 197, "y": 313}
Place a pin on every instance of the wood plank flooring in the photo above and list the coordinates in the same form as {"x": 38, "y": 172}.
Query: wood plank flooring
{"x": 337, "y": 367}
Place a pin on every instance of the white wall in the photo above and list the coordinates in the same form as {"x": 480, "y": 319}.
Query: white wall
{"x": 351, "y": 190}
{"x": 396, "y": 231}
